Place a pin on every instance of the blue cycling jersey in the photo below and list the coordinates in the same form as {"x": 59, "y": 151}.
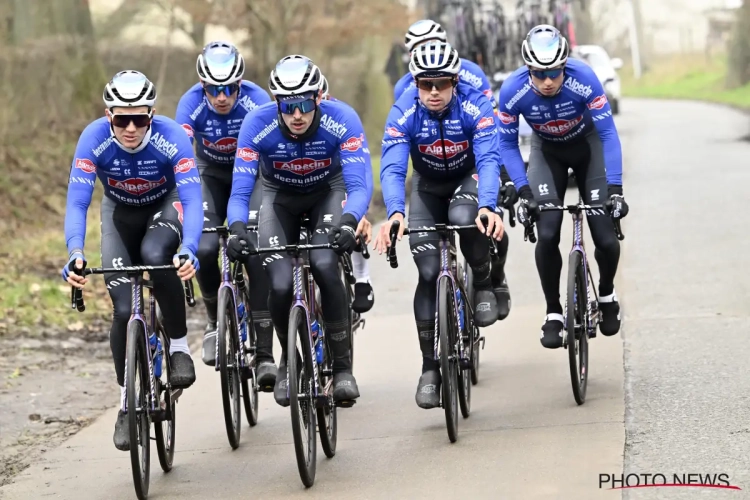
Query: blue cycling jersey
{"x": 580, "y": 105}
{"x": 135, "y": 177}
{"x": 444, "y": 148}
{"x": 215, "y": 133}
{"x": 470, "y": 73}
{"x": 338, "y": 145}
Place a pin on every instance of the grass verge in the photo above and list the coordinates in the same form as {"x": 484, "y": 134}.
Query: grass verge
{"x": 686, "y": 77}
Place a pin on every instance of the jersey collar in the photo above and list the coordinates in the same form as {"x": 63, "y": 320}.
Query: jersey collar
{"x": 236, "y": 103}
{"x": 138, "y": 148}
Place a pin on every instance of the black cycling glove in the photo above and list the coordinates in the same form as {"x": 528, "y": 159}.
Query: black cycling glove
{"x": 528, "y": 210}
{"x": 342, "y": 237}
{"x": 238, "y": 245}
{"x": 616, "y": 204}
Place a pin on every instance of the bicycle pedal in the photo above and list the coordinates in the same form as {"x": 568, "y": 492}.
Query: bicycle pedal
{"x": 346, "y": 403}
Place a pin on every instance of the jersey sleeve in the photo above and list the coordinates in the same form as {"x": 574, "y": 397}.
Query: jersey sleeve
{"x": 400, "y": 87}
{"x": 508, "y": 140}
{"x": 188, "y": 183}
{"x": 601, "y": 113}
{"x": 394, "y": 162}
{"x": 81, "y": 183}
{"x": 355, "y": 162}
{"x": 182, "y": 116}
{"x": 488, "y": 160}
{"x": 245, "y": 172}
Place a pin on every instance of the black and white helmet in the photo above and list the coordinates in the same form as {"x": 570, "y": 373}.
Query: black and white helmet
{"x": 544, "y": 47}
{"x": 434, "y": 59}
{"x": 323, "y": 87}
{"x": 424, "y": 30}
{"x": 220, "y": 63}
{"x": 294, "y": 75}
{"x": 129, "y": 89}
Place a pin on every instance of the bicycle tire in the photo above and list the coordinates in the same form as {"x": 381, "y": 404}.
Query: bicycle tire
{"x": 230, "y": 376}
{"x": 577, "y": 337}
{"x": 248, "y": 381}
{"x": 137, "y": 363}
{"x": 475, "y": 349}
{"x": 464, "y": 374}
{"x": 165, "y": 447}
{"x": 448, "y": 373}
{"x": 327, "y": 415}
{"x": 349, "y": 302}
{"x": 301, "y": 409}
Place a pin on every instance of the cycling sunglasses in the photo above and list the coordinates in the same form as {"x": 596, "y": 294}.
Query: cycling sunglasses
{"x": 288, "y": 107}
{"x": 437, "y": 83}
{"x": 215, "y": 90}
{"x": 140, "y": 120}
{"x": 546, "y": 73}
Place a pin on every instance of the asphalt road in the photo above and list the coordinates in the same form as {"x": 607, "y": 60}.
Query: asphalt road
{"x": 666, "y": 396}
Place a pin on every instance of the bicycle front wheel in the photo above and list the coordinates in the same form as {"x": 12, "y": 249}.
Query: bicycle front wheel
{"x": 165, "y": 431}
{"x": 227, "y": 354}
{"x": 137, "y": 386}
{"x": 577, "y": 336}
{"x": 448, "y": 362}
{"x": 301, "y": 399}
{"x": 474, "y": 333}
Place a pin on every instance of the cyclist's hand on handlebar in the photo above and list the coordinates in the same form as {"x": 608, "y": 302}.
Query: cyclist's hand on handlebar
{"x": 238, "y": 243}
{"x": 342, "y": 237}
{"x": 509, "y": 195}
{"x": 528, "y": 209}
{"x": 187, "y": 270}
{"x": 364, "y": 229}
{"x": 75, "y": 263}
{"x": 616, "y": 205}
{"x": 494, "y": 227}
{"x": 383, "y": 241}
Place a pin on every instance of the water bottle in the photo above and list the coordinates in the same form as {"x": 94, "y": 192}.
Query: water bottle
{"x": 242, "y": 320}
{"x": 460, "y": 302}
{"x": 157, "y": 351}
{"x": 319, "y": 342}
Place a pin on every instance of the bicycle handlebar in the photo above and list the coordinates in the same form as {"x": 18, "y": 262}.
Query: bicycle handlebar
{"x": 437, "y": 228}
{"x": 528, "y": 233}
{"x": 76, "y": 296}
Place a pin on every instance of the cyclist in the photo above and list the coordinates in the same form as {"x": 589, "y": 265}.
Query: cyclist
{"x": 314, "y": 161}
{"x": 568, "y": 111}
{"x": 211, "y": 113}
{"x": 151, "y": 185}
{"x": 451, "y": 135}
{"x": 472, "y": 75}
{"x": 364, "y": 296}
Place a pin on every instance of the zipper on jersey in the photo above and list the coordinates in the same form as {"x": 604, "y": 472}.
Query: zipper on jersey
{"x": 442, "y": 143}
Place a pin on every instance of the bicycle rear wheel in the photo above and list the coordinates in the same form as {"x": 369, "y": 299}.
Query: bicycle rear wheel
{"x": 301, "y": 394}
{"x": 227, "y": 353}
{"x": 327, "y": 417}
{"x": 577, "y": 336}
{"x": 448, "y": 364}
{"x": 349, "y": 301}
{"x": 165, "y": 431}
{"x": 137, "y": 386}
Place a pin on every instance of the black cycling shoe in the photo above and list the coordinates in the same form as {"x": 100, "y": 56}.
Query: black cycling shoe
{"x": 122, "y": 432}
{"x": 428, "y": 390}
{"x": 344, "y": 387}
{"x": 364, "y": 297}
{"x": 551, "y": 336}
{"x": 183, "y": 370}
{"x": 266, "y": 374}
{"x": 485, "y": 308}
{"x": 208, "y": 353}
{"x": 502, "y": 295}
{"x": 282, "y": 384}
{"x": 610, "y": 309}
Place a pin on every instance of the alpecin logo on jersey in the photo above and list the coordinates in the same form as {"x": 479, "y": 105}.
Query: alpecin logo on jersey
{"x": 353, "y": 143}
{"x": 470, "y": 78}
{"x": 188, "y": 130}
{"x": 223, "y": 145}
{"x": 137, "y": 185}
{"x": 506, "y": 118}
{"x": 184, "y": 165}
{"x": 302, "y": 166}
{"x": 168, "y": 149}
{"x": 247, "y": 154}
{"x": 577, "y": 87}
{"x": 598, "y": 102}
{"x": 86, "y": 165}
{"x": 451, "y": 148}
{"x": 557, "y": 127}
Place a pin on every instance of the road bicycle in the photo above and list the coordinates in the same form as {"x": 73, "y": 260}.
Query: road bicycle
{"x": 149, "y": 395}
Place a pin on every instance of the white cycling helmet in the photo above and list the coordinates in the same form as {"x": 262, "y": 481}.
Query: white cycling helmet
{"x": 422, "y": 31}
{"x": 544, "y": 47}
{"x": 323, "y": 87}
{"x": 129, "y": 89}
{"x": 294, "y": 75}
{"x": 220, "y": 63}
{"x": 434, "y": 59}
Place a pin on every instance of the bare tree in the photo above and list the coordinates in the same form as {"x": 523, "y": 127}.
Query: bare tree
{"x": 739, "y": 49}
